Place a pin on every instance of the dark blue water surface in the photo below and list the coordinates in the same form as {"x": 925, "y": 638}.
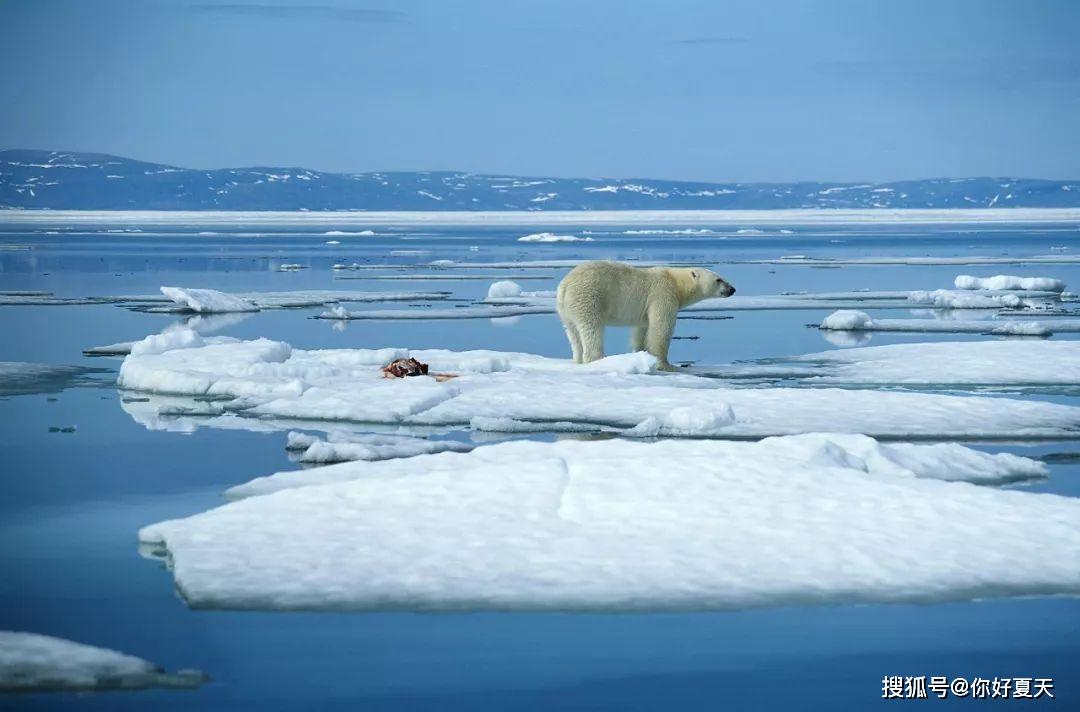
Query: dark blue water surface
{"x": 73, "y": 502}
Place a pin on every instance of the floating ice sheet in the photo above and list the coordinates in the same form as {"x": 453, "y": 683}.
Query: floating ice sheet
{"x": 1057, "y": 258}
{"x": 210, "y": 301}
{"x": 942, "y": 364}
{"x": 270, "y": 379}
{"x": 552, "y": 237}
{"x": 40, "y": 663}
{"x": 474, "y": 312}
{"x": 851, "y": 320}
{"x": 371, "y": 446}
{"x": 1004, "y": 281}
{"x": 618, "y": 525}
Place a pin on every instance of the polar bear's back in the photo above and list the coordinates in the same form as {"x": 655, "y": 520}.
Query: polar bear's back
{"x": 611, "y": 292}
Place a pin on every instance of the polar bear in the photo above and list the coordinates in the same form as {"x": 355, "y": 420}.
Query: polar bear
{"x": 595, "y": 294}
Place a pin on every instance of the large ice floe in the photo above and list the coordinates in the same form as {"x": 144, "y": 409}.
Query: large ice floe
{"x": 619, "y": 525}
{"x": 41, "y": 663}
{"x": 1006, "y": 364}
{"x": 271, "y": 380}
{"x": 211, "y": 301}
{"x": 853, "y": 320}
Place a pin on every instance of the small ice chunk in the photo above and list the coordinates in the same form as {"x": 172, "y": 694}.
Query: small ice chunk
{"x": 1004, "y": 281}
{"x": 505, "y": 288}
{"x": 847, "y": 320}
{"x": 552, "y": 237}
{"x": 41, "y": 663}
{"x": 208, "y": 301}
{"x": 947, "y": 299}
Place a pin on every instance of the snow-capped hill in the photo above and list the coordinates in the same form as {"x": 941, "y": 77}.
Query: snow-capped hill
{"x": 92, "y": 181}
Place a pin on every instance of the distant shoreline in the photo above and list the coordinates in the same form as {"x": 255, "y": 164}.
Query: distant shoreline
{"x": 580, "y": 218}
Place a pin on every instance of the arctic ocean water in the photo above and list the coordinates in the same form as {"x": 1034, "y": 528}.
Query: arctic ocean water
{"x": 73, "y": 501}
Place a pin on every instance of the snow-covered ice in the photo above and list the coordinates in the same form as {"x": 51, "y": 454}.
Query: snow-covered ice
{"x": 853, "y": 320}
{"x": 369, "y": 446}
{"x": 951, "y": 299}
{"x": 1003, "y": 281}
{"x": 270, "y": 379}
{"x": 619, "y": 525}
{"x": 552, "y": 237}
{"x": 208, "y": 301}
{"x": 474, "y": 312}
{"x": 913, "y": 260}
{"x": 504, "y": 288}
{"x": 41, "y": 663}
{"x": 943, "y": 364}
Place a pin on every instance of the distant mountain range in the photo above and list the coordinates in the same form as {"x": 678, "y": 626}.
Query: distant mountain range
{"x": 95, "y": 181}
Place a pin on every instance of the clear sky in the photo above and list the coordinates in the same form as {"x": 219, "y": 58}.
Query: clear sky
{"x": 729, "y": 91}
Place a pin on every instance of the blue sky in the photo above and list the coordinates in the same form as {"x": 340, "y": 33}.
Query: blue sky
{"x": 725, "y": 91}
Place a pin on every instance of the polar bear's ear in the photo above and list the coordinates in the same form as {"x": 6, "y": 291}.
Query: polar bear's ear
{"x": 693, "y": 273}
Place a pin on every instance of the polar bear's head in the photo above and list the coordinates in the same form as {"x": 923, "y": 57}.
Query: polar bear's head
{"x": 710, "y": 284}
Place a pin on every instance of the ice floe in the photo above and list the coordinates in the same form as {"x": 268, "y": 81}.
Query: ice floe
{"x": 1003, "y": 281}
{"x": 552, "y": 237}
{"x": 462, "y": 312}
{"x": 270, "y": 379}
{"x": 1056, "y": 258}
{"x": 504, "y": 288}
{"x": 371, "y": 446}
{"x": 950, "y": 299}
{"x": 208, "y": 301}
{"x": 853, "y": 320}
{"x": 41, "y": 663}
{"x": 618, "y": 525}
{"x": 941, "y": 364}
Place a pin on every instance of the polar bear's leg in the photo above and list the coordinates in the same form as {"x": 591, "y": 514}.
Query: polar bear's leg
{"x": 591, "y": 334}
{"x": 661, "y": 327}
{"x": 637, "y": 338}
{"x": 575, "y": 340}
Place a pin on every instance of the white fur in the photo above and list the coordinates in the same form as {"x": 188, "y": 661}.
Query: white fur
{"x": 596, "y": 294}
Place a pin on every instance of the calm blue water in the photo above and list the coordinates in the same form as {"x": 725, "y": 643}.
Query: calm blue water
{"x": 73, "y": 501}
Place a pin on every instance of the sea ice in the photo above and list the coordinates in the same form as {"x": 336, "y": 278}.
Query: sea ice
{"x": 270, "y": 379}
{"x": 208, "y": 301}
{"x": 41, "y": 663}
{"x": 1001, "y": 363}
{"x": 504, "y": 288}
{"x": 949, "y": 299}
{"x": 851, "y": 320}
{"x": 476, "y": 312}
{"x": 1002, "y": 281}
{"x": 619, "y": 525}
{"x": 552, "y": 237}
{"x": 370, "y": 446}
